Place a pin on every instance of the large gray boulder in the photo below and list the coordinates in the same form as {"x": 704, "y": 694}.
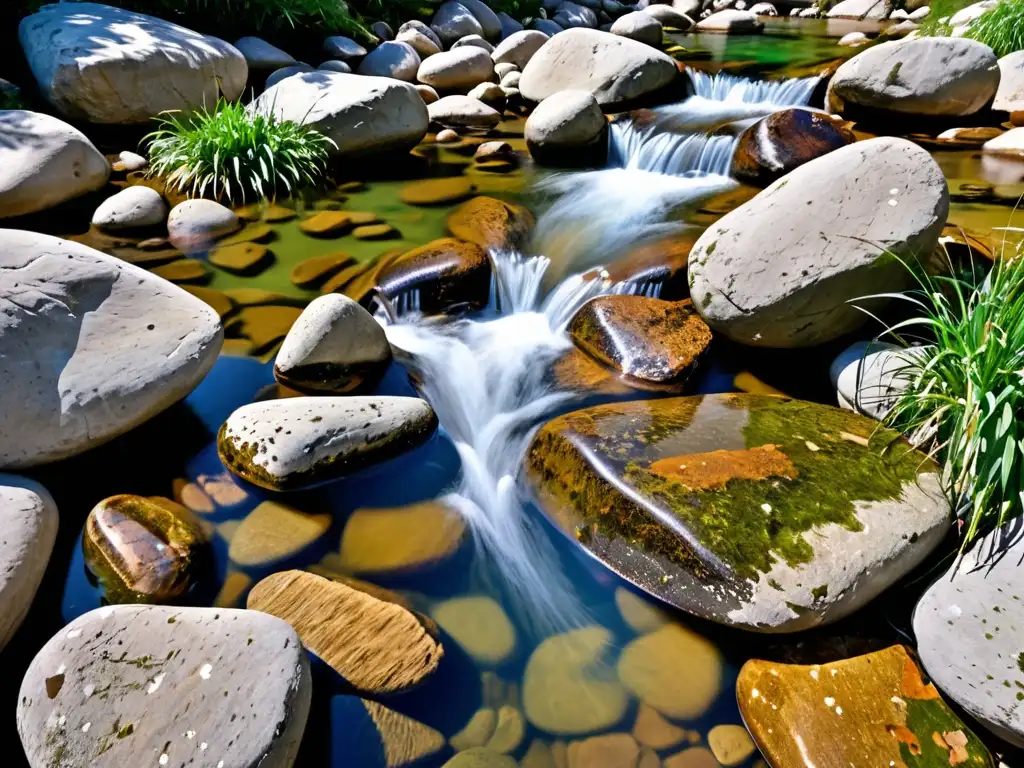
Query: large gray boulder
{"x": 28, "y": 519}
{"x": 1010, "y": 93}
{"x": 639, "y": 26}
{"x": 133, "y": 685}
{"x": 463, "y": 112}
{"x": 457, "y": 69}
{"x": 454, "y": 20}
{"x": 92, "y": 346}
{"x": 359, "y": 114}
{"x": 873, "y": 10}
{"x": 43, "y": 162}
{"x": 668, "y": 16}
{"x": 614, "y": 69}
{"x": 731, "y": 21}
{"x": 568, "y": 128}
{"x": 967, "y": 626}
{"x": 782, "y": 269}
{"x": 391, "y": 59}
{"x": 923, "y": 76}
{"x": 109, "y": 65}
{"x": 424, "y": 44}
{"x": 193, "y": 226}
{"x": 489, "y": 21}
{"x": 519, "y": 47}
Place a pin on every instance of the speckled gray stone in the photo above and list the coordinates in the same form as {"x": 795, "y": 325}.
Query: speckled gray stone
{"x": 128, "y": 685}
{"x": 28, "y": 527}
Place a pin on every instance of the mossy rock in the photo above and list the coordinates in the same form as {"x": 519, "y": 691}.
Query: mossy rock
{"x": 437, "y": 191}
{"x": 184, "y": 271}
{"x": 746, "y": 510}
{"x": 376, "y": 232}
{"x": 644, "y": 338}
{"x": 142, "y": 550}
{"x": 313, "y": 272}
{"x": 247, "y": 259}
{"x": 875, "y": 709}
{"x": 327, "y": 224}
{"x": 490, "y": 223}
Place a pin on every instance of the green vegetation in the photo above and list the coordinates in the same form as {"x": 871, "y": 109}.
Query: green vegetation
{"x": 1001, "y": 29}
{"x": 234, "y": 155}
{"x": 965, "y": 396}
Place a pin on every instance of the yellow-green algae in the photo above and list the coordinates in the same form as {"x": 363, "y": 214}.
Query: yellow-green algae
{"x": 745, "y": 525}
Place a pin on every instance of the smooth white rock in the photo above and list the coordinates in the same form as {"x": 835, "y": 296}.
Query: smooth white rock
{"x": 44, "y": 162}
{"x": 423, "y": 44}
{"x": 332, "y": 330}
{"x": 731, "y": 21}
{"x": 126, "y": 685}
{"x": 965, "y": 16}
{"x": 519, "y": 47}
{"x": 459, "y": 68}
{"x": 1010, "y": 93}
{"x": 358, "y": 113}
{"x": 131, "y": 161}
{"x": 764, "y": 9}
{"x": 453, "y": 20}
{"x": 873, "y": 10}
{"x": 668, "y": 16}
{"x": 1011, "y": 143}
{"x": 920, "y": 13}
{"x": 639, "y": 26}
{"x": 194, "y": 226}
{"x": 28, "y": 522}
{"x": 474, "y": 40}
{"x": 92, "y": 346}
{"x": 854, "y": 39}
{"x": 423, "y": 29}
{"x": 109, "y": 65}
{"x": 463, "y": 112}
{"x": 391, "y": 59}
{"x": 137, "y": 206}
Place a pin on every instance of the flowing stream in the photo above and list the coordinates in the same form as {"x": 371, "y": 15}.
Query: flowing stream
{"x": 488, "y": 377}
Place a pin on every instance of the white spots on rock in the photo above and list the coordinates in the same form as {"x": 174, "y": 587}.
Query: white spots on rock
{"x": 839, "y": 711}
{"x": 106, "y": 613}
{"x": 88, "y": 690}
{"x": 86, "y": 727}
{"x": 205, "y": 670}
{"x": 203, "y": 746}
{"x": 894, "y": 191}
{"x": 954, "y": 611}
{"x": 830, "y": 702}
{"x": 814, "y": 672}
{"x": 73, "y": 634}
{"x": 773, "y": 672}
{"x": 163, "y": 759}
{"x": 835, "y": 672}
{"x": 62, "y": 669}
{"x": 220, "y": 764}
{"x": 755, "y": 693}
{"x": 61, "y": 720}
{"x": 153, "y": 686}
{"x": 191, "y": 735}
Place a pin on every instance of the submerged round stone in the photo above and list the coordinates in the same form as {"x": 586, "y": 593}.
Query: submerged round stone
{"x": 141, "y": 550}
{"x": 302, "y": 441}
{"x": 761, "y": 512}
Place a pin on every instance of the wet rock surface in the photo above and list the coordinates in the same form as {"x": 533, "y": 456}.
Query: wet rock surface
{"x": 302, "y": 441}
{"x": 375, "y": 645}
{"x": 445, "y": 274}
{"x": 490, "y": 223}
{"x": 761, "y": 512}
{"x": 398, "y": 539}
{"x": 784, "y": 140}
{"x": 645, "y": 338}
{"x": 975, "y": 608}
{"x": 142, "y": 550}
{"x": 875, "y": 708}
{"x": 127, "y": 685}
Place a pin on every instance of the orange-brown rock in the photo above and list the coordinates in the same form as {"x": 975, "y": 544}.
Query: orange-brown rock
{"x": 314, "y": 272}
{"x": 648, "y": 339}
{"x": 377, "y": 646}
{"x": 490, "y": 223}
{"x": 247, "y": 259}
{"x": 784, "y": 140}
{"x": 656, "y": 265}
{"x": 327, "y": 224}
{"x": 437, "y": 191}
{"x": 612, "y": 750}
{"x": 264, "y": 326}
{"x": 446, "y": 274}
{"x": 869, "y": 710}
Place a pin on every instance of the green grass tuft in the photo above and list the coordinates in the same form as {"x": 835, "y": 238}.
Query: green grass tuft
{"x": 1001, "y": 29}
{"x": 964, "y": 400}
{"x": 232, "y": 155}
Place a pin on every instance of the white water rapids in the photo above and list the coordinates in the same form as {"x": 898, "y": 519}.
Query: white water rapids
{"x": 488, "y": 378}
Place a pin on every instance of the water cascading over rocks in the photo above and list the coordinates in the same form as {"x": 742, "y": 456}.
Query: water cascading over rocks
{"x": 488, "y": 376}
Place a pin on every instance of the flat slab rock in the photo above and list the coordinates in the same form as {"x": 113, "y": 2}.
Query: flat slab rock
{"x": 302, "y": 441}
{"x": 872, "y": 710}
{"x": 152, "y": 685}
{"x": 761, "y": 512}
{"x": 92, "y": 346}
{"x": 28, "y": 528}
{"x": 978, "y": 610}
{"x": 376, "y": 645}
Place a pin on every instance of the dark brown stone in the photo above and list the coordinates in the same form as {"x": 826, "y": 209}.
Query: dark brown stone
{"x": 648, "y": 339}
{"x": 448, "y": 274}
{"x": 659, "y": 265}
{"x": 784, "y": 140}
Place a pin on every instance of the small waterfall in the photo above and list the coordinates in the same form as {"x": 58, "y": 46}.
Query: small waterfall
{"x": 663, "y": 163}
{"x": 488, "y": 377}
